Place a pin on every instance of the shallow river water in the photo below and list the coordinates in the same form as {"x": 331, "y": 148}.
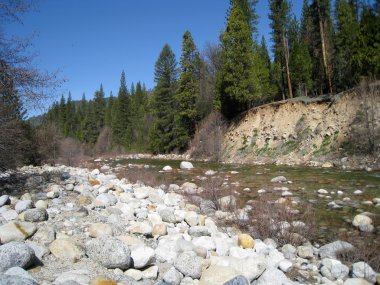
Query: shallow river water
{"x": 305, "y": 182}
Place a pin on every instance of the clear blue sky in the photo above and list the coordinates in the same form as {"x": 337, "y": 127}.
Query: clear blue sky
{"x": 92, "y": 41}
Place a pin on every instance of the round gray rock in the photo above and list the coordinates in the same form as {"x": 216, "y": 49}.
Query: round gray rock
{"x": 189, "y": 264}
{"x": 15, "y": 254}
{"x": 109, "y": 252}
{"x": 4, "y": 199}
{"x": 35, "y": 215}
{"x": 21, "y": 206}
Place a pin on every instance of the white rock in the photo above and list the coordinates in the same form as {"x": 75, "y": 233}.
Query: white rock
{"x": 142, "y": 256}
{"x": 285, "y": 265}
{"x": 323, "y": 191}
{"x": 279, "y": 179}
{"x": 10, "y": 215}
{"x": 286, "y": 194}
{"x": 21, "y": 206}
{"x": 150, "y": 273}
{"x": 191, "y": 218}
{"x": 361, "y": 220}
{"x": 363, "y": 270}
{"x": 186, "y": 165}
{"x": 210, "y": 172}
{"x": 167, "y": 168}
{"x": 261, "y": 191}
{"x": 4, "y": 199}
{"x": 172, "y": 276}
{"x": 358, "y": 192}
{"x": 205, "y": 242}
{"x": 134, "y": 273}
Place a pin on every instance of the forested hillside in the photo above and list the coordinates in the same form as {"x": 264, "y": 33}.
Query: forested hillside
{"x": 332, "y": 47}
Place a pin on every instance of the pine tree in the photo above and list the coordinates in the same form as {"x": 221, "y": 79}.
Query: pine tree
{"x": 300, "y": 62}
{"x": 99, "y": 108}
{"x": 346, "y": 39}
{"x": 280, "y": 16}
{"x": 188, "y": 92}
{"x": 70, "y": 124}
{"x": 109, "y": 110}
{"x": 80, "y": 118}
{"x": 236, "y": 87}
{"x": 90, "y": 132}
{"x": 62, "y": 114}
{"x": 164, "y": 106}
{"x": 120, "y": 124}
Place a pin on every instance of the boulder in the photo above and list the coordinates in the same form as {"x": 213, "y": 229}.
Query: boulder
{"x": 66, "y": 249}
{"x": 142, "y": 256}
{"x": 356, "y": 281}
{"x": 191, "y": 218}
{"x": 246, "y": 241}
{"x": 142, "y": 192}
{"x": 109, "y": 252}
{"x": 35, "y": 215}
{"x": 41, "y": 204}
{"x": 150, "y": 273}
{"x": 10, "y": 215}
{"x": 285, "y": 265}
{"x": 334, "y": 269}
{"x": 15, "y": 254}
{"x": 167, "y": 215}
{"x": 16, "y": 231}
{"x": 134, "y": 273}
{"x": 189, "y": 264}
{"x": 289, "y": 251}
{"x": 273, "y": 276}
{"x": 186, "y": 165}
{"x": 19, "y": 272}
{"x": 331, "y": 249}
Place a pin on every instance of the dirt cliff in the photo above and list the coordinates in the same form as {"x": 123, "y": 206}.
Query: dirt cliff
{"x": 340, "y": 130}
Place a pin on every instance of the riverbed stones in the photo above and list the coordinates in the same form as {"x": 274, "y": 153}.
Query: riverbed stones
{"x": 16, "y": 231}
{"x": 109, "y": 252}
{"x": 98, "y": 230}
{"x": 142, "y": 256}
{"x": 15, "y": 254}
{"x": 189, "y": 264}
{"x": 35, "y": 215}
{"x": 105, "y": 199}
{"x": 216, "y": 275}
{"x": 246, "y": 241}
{"x": 334, "y": 269}
{"x": 186, "y": 165}
{"x": 66, "y": 249}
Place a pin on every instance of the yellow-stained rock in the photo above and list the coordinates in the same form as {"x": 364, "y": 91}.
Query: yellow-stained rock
{"x": 66, "y": 249}
{"x": 84, "y": 200}
{"x": 93, "y": 182}
{"x": 246, "y": 241}
{"x": 98, "y": 229}
{"x": 21, "y": 216}
{"x": 101, "y": 280}
{"x": 159, "y": 230}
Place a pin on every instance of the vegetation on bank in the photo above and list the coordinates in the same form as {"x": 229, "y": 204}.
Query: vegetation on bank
{"x": 327, "y": 50}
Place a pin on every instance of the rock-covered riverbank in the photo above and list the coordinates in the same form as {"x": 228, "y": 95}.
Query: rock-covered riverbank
{"x": 76, "y": 226}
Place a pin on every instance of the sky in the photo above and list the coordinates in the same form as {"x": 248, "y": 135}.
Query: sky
{"x": 91, "y": 41}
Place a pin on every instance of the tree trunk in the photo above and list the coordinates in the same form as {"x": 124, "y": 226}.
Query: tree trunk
{"x": 286, "y": 52}
{"x": 324, "y": 49}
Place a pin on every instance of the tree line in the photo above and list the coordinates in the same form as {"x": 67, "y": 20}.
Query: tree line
{"x": 327, "y": 50}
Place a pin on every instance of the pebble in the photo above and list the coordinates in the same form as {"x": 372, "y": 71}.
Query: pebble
{"x": 66, "y": 249}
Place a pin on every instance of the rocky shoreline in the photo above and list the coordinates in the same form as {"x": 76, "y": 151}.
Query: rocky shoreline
{"x": 73, "y": 226}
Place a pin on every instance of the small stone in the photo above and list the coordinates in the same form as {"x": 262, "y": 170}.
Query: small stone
{"x": 150, "y": 273}
{"x": 106, "y": 200}
{"x": 167, "y": 168}
{"x": 142, "y": 256}
{"x": 191, "y": 218}
{"x": 97, "y": 230}
{"x": 198, "y": 231}
{"x": 101, "y": 280}
{"x": 305, "y": 252}
{"x": 143, "y": 228}
{"x": 9, "y": 215}
{"x": 186, "y": 165}
{"x": 16, "y": 231}
{"x": 172, "y": 276}
{"x": 289, "y": 251}
{"x": 4, "y": 200}
{"x": 285, "y": 265}
{"x": 261, "y": 191}
{"x": 361, "y": 220}
{"x": 210, "y": 172}
{"x": 134, "y": 273}
{"x": 21, "y": 206}
{"x": 15, "y": 254}
{"x": 323, "y": 191}
{"x": 66, "y": 249}
{"x": 363, "y": 270}
{"x": 279, "y": 179}
{"x": 246, "y": 241}
{"x": 35, "y": 215}
{"x": 41, "y": 204}
{"x": 167, "y": 215}
{"x": 74, "y": 277}
{"x": 159, "y": 230}
{"x": 189, "y": 264}
{"x": 358, "y": 192}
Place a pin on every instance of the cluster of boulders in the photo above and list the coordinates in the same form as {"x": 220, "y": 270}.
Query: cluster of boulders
{"x": 88, "y": 227}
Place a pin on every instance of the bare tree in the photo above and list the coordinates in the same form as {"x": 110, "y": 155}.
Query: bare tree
{"x": 20, "y": 84}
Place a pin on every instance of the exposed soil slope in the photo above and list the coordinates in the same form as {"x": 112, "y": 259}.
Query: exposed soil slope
{"x": 342, "y": 130}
